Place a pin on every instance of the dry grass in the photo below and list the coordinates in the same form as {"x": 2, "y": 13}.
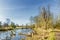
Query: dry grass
{"x": 43, "y": 35}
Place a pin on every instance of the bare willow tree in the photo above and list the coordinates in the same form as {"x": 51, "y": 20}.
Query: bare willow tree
{"x": 43, "y": 22}
{"x": 44, "y": 19}
{"x": 36, "y": 21}
{"x": 31, "y": 21}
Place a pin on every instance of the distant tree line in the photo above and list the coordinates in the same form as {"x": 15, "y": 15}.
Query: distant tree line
{"x": 7, "y": 23}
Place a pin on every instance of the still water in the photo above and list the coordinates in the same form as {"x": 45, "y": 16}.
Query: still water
{"x": 6, "y": 35}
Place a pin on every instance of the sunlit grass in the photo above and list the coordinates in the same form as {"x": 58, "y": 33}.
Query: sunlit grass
{"x": 51, "y": 36}
{"x": 43, "y": 35}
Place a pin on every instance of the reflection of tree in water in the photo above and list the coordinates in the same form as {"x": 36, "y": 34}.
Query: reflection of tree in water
{"x": 12, "y": 35}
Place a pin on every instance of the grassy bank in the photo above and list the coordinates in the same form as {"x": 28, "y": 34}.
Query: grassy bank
{"x": 6, "y": 28}
{"x": 11, "y": 28}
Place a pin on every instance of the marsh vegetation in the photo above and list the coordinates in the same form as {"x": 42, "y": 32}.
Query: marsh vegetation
{"x": 43, "y": 27}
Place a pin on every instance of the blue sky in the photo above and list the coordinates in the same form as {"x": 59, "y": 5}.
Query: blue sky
{"x": 19, "y": 11}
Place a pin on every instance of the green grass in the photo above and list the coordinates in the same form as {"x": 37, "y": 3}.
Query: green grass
{"x": 51, "y": 36}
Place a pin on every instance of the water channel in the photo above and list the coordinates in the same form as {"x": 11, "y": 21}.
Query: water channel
{"x": 6, "y": 35}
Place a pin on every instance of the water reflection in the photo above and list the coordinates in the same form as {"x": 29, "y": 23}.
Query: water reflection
{"x": 7, "y": 34}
